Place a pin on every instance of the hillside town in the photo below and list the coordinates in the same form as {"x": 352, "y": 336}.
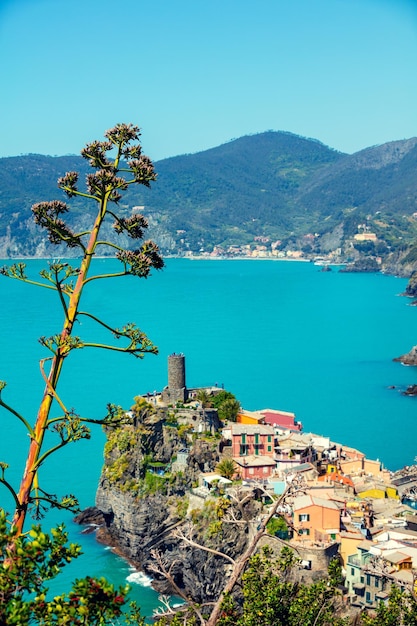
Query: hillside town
{"x": 304, "y": 248}
{"x": 346, "y": 506}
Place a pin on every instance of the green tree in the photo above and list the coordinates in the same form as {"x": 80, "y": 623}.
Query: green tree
{"x": 401, "y": 610}
{"x": 117, "y": 163}
{"x": 226, "y": 468}
{"x": 228, "y": 410}
{"x": 220, "y": 397}
{"x": 227, "y": 406}
{"x": 272, "y": 596}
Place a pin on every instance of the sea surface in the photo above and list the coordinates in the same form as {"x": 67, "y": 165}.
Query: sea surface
{"x": 278, "y": 335}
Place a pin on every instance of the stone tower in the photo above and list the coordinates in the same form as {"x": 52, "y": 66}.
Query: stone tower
{"x": 177, "y": 389}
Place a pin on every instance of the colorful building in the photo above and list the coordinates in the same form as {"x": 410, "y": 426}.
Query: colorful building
{"x": 281, "y": 419}
{"x": 253, "y": 450}
{"x": 316, "y": 519}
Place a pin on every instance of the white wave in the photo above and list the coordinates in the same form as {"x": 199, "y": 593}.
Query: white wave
{"x": 139, "y": 578}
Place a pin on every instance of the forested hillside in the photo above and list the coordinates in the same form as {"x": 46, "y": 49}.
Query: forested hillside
{"x": 265, "y": 187}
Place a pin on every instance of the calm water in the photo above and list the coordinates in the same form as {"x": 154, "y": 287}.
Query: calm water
{"x": 280, "y": 335}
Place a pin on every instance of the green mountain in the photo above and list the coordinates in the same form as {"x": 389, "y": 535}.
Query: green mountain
{"x": 259, "y": 188}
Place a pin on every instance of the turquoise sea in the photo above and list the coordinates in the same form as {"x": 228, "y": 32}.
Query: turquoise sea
{"x": 277, "y": 334}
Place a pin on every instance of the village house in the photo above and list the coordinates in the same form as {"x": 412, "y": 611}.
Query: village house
{"x": 374, "y": 568}
{"x": 253, "y": 450}
{"x": 249, "y": 417}
{"x": 315, "y": 519}
{"x": 281, "y": 420}
{"x": 294, "y": 449}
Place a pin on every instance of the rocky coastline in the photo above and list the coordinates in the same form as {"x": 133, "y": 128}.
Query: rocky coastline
{"x": 410, "y": 358}
{"x": 139, "y": 519}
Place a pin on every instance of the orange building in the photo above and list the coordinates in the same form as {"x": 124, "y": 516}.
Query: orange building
{"x": 250, "y": 417}
{"x": 316, "y": 519}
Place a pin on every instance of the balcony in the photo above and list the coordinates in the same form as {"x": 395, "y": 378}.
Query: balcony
{"x": 354, "y": 560}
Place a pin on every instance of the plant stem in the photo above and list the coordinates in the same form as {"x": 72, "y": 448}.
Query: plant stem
{"x": 42, "y": 420}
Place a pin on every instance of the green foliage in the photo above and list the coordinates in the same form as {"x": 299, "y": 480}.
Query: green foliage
{"x": 220, "y": 397}
{"x": 208, "y": 519}
{"x": 226, "y": 404}
{"x": 226, "y": 468}
{"x": 182, "y": 507}
{"x": 184, "y": 430}
{"x": 401, "y": 610}
{"x": 276, "y": 524}
{"x": 228, "y": 410}
{"x": 205, "y": 399}
{"x": 298, "y": 186}
{"x": 334, "y": 571}
{"x": 153, "y": 484}
{"x": 29, "y": 561}
{"x": 271, "y": 597}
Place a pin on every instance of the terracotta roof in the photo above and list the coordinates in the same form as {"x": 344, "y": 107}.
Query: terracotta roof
{"x": 338, "y": 478}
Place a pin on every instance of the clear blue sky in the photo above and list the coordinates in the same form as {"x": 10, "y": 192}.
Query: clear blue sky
{"x": 194, "y": 74}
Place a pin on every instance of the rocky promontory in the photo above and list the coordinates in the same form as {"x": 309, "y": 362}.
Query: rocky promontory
{"x": 148, "y": 506}
{"x": 411, "y": 289}
{"x": 410, "y": 358}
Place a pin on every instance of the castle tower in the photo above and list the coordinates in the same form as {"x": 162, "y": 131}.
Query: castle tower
{"x": 176, "y": 390}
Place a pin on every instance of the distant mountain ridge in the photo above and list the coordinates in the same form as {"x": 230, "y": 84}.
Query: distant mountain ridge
{"x": 269, "y": 186}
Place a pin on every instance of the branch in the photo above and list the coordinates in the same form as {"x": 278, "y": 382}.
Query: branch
{"x": 99, "y": 321}
{"x": 179, "y": 534}
{"x": 100, "y": 276}
{"x": 51, "y": 389}
{"x": 3, "y": 481}
{"x": 241, "y": 563}
{"x": 167, "y": 574}
{"x": 15, "y": 413}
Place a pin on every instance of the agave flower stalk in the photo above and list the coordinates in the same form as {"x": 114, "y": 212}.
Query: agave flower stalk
{"x": 103, "y": 187}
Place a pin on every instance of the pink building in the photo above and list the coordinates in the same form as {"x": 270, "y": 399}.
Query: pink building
{"x": 281, "y": 419}
{"x": 253, "y": 450}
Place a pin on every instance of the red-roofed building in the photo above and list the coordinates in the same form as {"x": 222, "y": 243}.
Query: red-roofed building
{"x": 281, "y": 419}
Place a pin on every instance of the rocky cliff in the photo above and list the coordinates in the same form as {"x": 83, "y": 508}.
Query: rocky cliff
{"x": 148, "y": 501}
{"x": 410, "y": 358}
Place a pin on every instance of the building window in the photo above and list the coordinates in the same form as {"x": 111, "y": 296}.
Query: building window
{"x": 269, "y": 448}
{"x": 352, "y": 571}
{"x": 376, "y": 582}
{"x": 333, "y": 536}
{"x": 269, "y": 438}
{"x": 243, "y": 438}
{"x": 243, "y": 450}
{"x": 304, "y": 517}
{"x": 256, "y": 438}
{"x": 304, "y": 531}
{"x": 362, "y": 579}
{"x": 368, "y": 579}
{"x": 368, "y": 597}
